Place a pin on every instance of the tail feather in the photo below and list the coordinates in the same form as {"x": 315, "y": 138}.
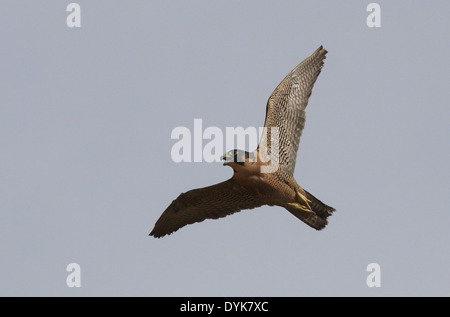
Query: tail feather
{"x": 317, "y": 216}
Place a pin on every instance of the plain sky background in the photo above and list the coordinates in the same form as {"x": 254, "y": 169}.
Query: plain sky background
{"x": 85, "y": 166}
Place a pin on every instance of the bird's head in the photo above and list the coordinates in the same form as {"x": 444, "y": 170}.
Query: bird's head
{"x": 237, "y": 157}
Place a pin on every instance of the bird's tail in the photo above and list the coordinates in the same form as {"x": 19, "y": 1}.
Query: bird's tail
{"x": 311, "y": 211}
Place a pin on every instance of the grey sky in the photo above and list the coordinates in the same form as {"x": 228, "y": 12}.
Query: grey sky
{"x": 85, "y": 124}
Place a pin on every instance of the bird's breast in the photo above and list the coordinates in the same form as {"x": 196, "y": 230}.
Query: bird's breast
{"x": 265, "y": 187}
{"x": 248, "y": 180}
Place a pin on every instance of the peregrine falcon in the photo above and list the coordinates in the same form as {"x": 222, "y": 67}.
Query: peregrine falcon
{"x": 250, "y": 186}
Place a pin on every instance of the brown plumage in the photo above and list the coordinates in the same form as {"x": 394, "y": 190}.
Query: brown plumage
{"x": 266, "y": 176}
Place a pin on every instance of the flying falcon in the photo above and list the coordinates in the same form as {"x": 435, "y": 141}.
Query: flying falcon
{"x": 253, "y": 183}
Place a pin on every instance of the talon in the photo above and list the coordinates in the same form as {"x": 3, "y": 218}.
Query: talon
{"x": 303, "y": 199}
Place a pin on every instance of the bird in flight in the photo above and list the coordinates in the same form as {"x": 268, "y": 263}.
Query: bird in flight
{"x": 265, "y": 176}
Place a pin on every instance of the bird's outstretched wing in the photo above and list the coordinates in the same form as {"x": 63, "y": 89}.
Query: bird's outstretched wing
{"x": 211, "y": 202}
{"x": 286, "y": 110}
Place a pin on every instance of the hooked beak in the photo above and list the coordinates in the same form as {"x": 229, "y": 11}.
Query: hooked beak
{"x": 227, "y": 158}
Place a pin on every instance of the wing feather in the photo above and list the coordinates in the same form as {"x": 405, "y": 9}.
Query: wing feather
{"x": 286, "y": 110}
{"x": 211, "y": 202}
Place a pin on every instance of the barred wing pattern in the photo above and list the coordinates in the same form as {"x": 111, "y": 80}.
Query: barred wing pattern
{"x": 211, "y": 202}
{"x": 286, "y": 110}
